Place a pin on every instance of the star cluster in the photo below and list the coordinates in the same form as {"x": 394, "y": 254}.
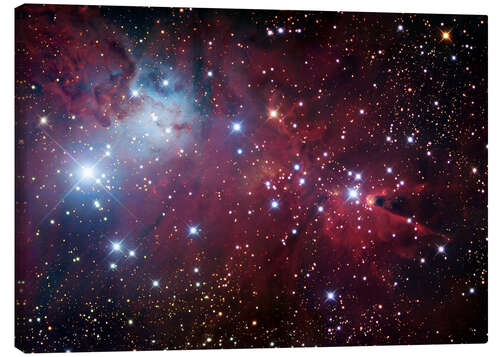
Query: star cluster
{"x": 190, "y": 178}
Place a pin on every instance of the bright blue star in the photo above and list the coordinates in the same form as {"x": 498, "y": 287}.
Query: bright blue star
{"x": 330, "y": 296}
{"x": 116, "y": 246}
{"x": 353, "y": 193}
{"x": 236, "y": 127}
{"x": 87, "y": 172}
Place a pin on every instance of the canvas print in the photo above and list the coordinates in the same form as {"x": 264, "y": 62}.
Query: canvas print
{"x": 229, "y": 178}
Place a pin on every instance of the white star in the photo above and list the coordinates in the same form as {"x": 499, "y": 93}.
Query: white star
{"x": 87, "y": 172}
{"x": 237, "y": 127}
{"x": 353, "y": 193}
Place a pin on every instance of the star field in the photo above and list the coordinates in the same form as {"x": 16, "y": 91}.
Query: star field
{"x": 201, "y": 178}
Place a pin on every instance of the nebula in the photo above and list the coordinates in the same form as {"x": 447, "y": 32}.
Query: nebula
{"x": 204, "y": 178}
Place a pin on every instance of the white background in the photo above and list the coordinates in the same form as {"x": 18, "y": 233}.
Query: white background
{"x": 490, "y": 8}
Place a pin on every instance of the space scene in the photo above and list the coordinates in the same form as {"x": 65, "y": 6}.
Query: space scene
{"x": 223, "y": 178}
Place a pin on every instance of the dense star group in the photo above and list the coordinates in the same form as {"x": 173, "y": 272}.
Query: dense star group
{"x": 191, "y": 178}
